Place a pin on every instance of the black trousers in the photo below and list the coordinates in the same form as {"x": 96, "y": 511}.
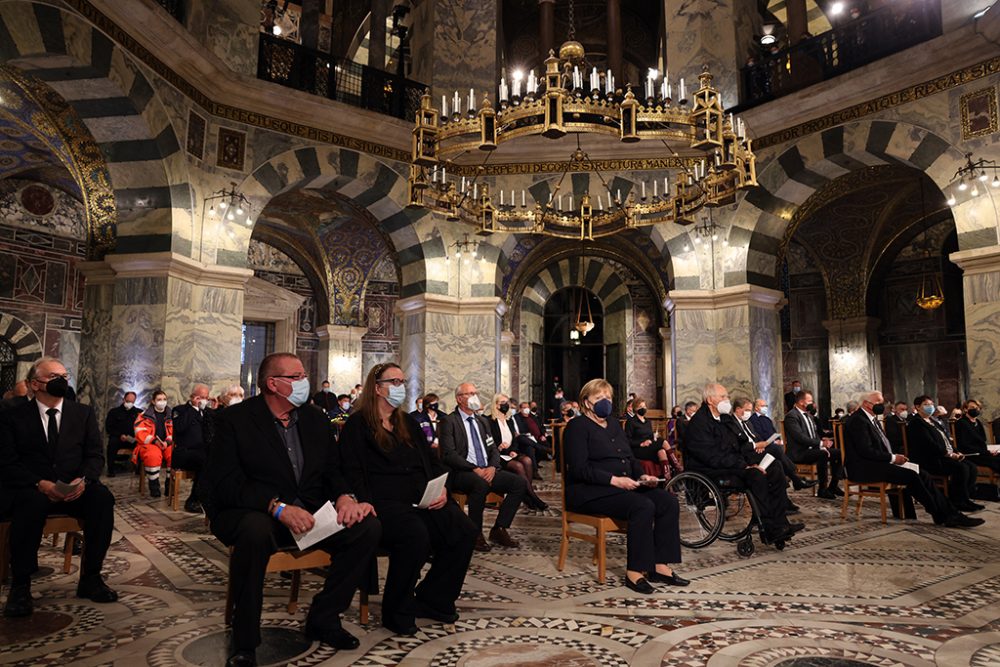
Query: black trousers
{"x": 410, "y": 538}
{"x": 96, "y": 507}
{"x": 961, "y": 477}
{"x": 987, "y": 461}
{"x": 524, "y": 445}
{"x": 787, "y": 465}
{"x": 769, "y": 491}
{"x": 828, "y": 470}
{"x": 475, "y": 487}
{"x": 654, "y": 536}
{"x": 918, "y": 485}
{"x": 190, "y": 460}
{"x": 112, "y": 458}
{"x": 255, "y": 536}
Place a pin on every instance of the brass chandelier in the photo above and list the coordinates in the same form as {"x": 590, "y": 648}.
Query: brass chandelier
{"x": 713, "y": 154}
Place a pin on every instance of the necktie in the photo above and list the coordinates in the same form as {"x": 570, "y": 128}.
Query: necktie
{"x": 477, "y": 445}
{"x": 746, "y": 429}
{"x": 881, "y": 435}
{"x": 53, "y": 434}
{"x": 809, "y": 426}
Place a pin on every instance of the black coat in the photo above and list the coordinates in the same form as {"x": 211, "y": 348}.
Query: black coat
{"x": 249, "y": 465}
{"x": 894, "y": 429}
{"x": 970, "y": 437}
{"x": 926, "y": 445}
{"x": 712, "y": 446}
{"x": 189, "y": 428}
{"x": 25, "y": 458}
{"x": 454, "y": 442}
{"x": 119, "y": 422}
{"x": 593, "y": 456}
{"x": 797, "y": 438}
{"x": 864, "y": 449}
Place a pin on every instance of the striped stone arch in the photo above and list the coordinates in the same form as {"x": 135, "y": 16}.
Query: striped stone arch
{"x": 120, "y": 110}
{"x": 24, "y": 340}
{"x": 369, "y": 183}
{"x": 761, "y": 219}
{"x": 592, "y": 273}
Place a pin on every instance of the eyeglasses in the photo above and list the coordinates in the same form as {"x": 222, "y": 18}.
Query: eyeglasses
{"x": 469, "y": 393}
{"x": 300, "y": 376}
{"x": 395, "y": 382}
{"x": 52, "y": 376}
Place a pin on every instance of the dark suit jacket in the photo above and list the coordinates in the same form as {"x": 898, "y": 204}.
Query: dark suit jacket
{"x": 529, "y": 426}
{"x": 762, "y": 426}
{"x": 971, "y": 437}
{"x": 249, "y": 464}
{"x": 864, "y": 451}
{"x": 790, "y": 399}
{"x": 711, "y": 446}
{"x": 593, "y": 456}
{"x": 189, "y": 431}
{"x": 119, "y": 422}
{"x": 894, "y": 429}
{"x": 797, "y": 433}
{"x": 25, "y": 458}
{"x": 454, "y": 442}
{"x": 13, "y": 402}
{"x": 927, "y": 448}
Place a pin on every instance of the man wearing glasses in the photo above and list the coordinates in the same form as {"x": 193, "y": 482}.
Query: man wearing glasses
{"x": 51, "y": 458}
{"x": 273, "y": 463}
{"x": 468, "y": 450}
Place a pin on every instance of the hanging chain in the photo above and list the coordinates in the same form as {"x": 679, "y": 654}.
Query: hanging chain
{"x": 572, "y": 23}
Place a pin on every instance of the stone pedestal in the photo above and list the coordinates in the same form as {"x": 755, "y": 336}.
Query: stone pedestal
{"x": 731, "y": 336}
{"x": 159, "y": 320}
{"x": 445, "y": 341}
{"x": 981, "y": 286}
{"x": 340, "y": 357}
{"x": 854, "y": 359}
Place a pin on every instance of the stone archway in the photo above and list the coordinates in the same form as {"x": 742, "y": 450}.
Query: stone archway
{"x": 24, "y": 341}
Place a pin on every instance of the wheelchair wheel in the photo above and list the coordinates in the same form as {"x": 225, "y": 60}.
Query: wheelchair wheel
{"x": 739, "y": 516}
{"x": 701, "y": 509}
{"x": 745, "y": 547}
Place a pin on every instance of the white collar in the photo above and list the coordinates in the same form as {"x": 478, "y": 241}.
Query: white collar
{"x": 42, "y": 408}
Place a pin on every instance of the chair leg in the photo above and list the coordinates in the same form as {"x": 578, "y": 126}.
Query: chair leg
{"x": 4, "y": 551}
{"x": 882, "y": 503}
{"x": 861, "y": 499}
{"x": 846, "y": 501}
{"x": 563, "y": 547}
{"x": 363, "y": 606}
{"x": 293, "y": 597}
{"x": 55, "y": 540}
{"x": 174, "y": 491}
{"x": 68, "y": 552}
{"x": 601, "y": 554}
{"x": 901, "y": 500}
{"x": 229, "y": 593}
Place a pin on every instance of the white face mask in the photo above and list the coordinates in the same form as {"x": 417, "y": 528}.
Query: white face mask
{"x": 345, "y": 406}
{"x": 326, "y": 390}
{"x": 161, "y": 405}
{"x": 526, "y": 411}
{"x": 235, "y": 400}
{"x": 724, "y": 407}
{"x": 745, "y": 416}
{"x": 128, "y": 405}
{"x": 904, "y": 414}
{"x": 764, "y": 410}
{"x": 201, "y": 403}
{"x": 474, "y": 403}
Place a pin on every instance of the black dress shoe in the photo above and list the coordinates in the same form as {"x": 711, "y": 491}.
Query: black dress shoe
{"x": 798, "y": 484}
{"x": 19, "y": 602}
{"x": 969, "y": 507}
{"x": 796, "y": 527}
{"x": 338, "y": 638}
{"x": 192, "y": 506}
{"x": 827, "y": 494}
{"x": 424, "y": 610}
{"x": 837, "y": 491}
{"x": 482, "y": 544}
{"x": 501, "y": 537}
{"x": 792, "y": 508}
{"x": 242, "y": 659}
{"x": 640, "y": 585}
{"x": 671, "y": 580}
{"x": 400, "y": 628}
{"x": 94, "y": 589}
{"x": 958, "y": 520}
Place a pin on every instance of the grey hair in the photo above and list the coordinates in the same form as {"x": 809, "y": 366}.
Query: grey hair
{"x": 854, "y": 405}
{"x": 33, "y": 371}
{"x": 867, "y": 397}
{"x": 199, "y": 385}
{"x": 710, "y": 390}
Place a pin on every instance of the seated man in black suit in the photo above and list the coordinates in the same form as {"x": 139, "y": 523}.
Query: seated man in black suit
{"x": 931, "y": 448}
{"x": 716, "y": 450}
{"x": 45, "y": 441}
{"x": 970, "y": 437}
{"x": 806, "y": 444}
{"x": 273, "y": 464}
{"x": 743, "y": 411}
{"x": 895, "y": 426}
{"x": 469, "y": 452}
{"x": 869, "y": 458}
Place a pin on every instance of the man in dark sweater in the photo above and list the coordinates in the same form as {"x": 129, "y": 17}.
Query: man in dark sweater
{"x": 190, "y": 449}
{"x": 119, "y": 427}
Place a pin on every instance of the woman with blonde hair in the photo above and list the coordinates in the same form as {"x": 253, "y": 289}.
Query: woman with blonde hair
{"x": 514, "y": 448}
{"x": 603, "y": 477}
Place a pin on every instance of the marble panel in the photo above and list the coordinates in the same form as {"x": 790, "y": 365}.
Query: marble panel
{"x": 765, "y": 355}
{"x": 982, "y": 327}
{"x": 696, "y": 358}
{"x": 95, "y": 384}
{"x": 228, "y": 28}
{"x": 453, "y": 359}
{"x": 852, "y": 367}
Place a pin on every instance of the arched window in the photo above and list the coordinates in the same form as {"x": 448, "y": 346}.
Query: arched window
{"x": 8, "y": 366}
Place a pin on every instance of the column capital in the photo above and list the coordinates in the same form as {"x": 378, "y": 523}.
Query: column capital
{"x": 852, "y": 325}
{"x": 340, "y": 333}
{"x": 97, "y": 272}
{"x": 448, "y": 305}
{"x": 977, "y": 260}
{"x": 665, "y": 333}
{"x": 172, "y": 265}
{"x": 727, "y": 297}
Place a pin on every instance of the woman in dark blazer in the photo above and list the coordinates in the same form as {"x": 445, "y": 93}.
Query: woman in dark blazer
{"x": 428, "y": 418}
{"x": 929, "y": 445}
{"x": 602, "y": 477}
{"x": 385, "y": 455}
{"x": 512, "y": 444}
{"x": 646, "y": 444}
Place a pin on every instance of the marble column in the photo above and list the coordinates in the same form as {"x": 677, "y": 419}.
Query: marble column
{"x": 506, "y": 384}
{"x": 615, "y": 57}
{"x": 446, "y": 341}
{"x": 981, "y": 288}
{"x": 854, "y": 359}
{"x": 340, "y": 358}
{"x": 546, "y": 27}
{"x": 731, "y": 336}
{"x": 161, "y": 320}
{"x": 669, "y": 395}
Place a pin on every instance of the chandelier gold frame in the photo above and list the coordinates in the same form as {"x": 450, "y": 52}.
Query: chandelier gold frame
{"x": 716, "y": 154}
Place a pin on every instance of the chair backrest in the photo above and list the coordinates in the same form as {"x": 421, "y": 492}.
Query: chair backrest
{"x": 838, "y": 439}
{"x": 988, "y": 429}
{"x": 951, "y": 428}
{"x": 784, "y": 440}
{"x": 656, "y": 413}
{"x": 906, "y": 443}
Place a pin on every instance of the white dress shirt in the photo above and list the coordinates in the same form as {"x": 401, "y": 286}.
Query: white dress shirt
{"x": 43, "y": 409}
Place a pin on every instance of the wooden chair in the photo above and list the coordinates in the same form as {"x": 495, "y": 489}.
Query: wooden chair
{"x": 807, "y": 471}
{"x": 294, "y": 561}
{"x": 557, "y": 438}
{"x": 55, "y": 526}
{"x": 986, "y": 475}
{"x": 940, "y": 481}
{"x": 463, "y": 500}
{"x": 602, "y": 525}
{"x": 879, "y": 490}
{"x": 176, "y": 477}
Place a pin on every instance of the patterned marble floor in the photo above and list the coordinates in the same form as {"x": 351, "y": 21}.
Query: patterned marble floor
{"x": 846, "y": 594}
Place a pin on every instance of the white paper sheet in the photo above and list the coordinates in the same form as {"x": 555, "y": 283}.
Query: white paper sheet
{"x": 66, "y": 489}
{"x": 910, "y": 465}
{"x": 506, "y": 457}
{"x": 325, "y": 526}
{"x": 766, "y": 461}
{"x": 774, "y": 436}
{"x": 433, "y": 491}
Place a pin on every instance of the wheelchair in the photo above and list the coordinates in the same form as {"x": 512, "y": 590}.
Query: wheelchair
{"x": 717, "y": 508}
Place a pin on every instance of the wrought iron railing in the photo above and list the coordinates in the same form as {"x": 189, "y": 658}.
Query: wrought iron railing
{"x": 174, "y": 7}
{"x": 866, "y": 39}
{"x": 293, "y": 65}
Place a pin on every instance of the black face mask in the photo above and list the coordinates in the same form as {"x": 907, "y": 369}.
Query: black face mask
{"x": 57, "y": 387}
{"x": 433, "y": 407}
{"x": 641, "y": 412}
{"x": 878, "y": 409}
{"x": 505, "y": 408}
{"x": 973, "y": 412}
{"x": 811, "y": 409}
